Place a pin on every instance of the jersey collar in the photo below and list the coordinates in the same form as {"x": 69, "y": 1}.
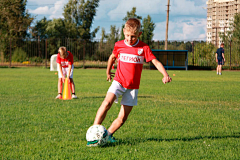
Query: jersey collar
{"x": 131, "y": 45}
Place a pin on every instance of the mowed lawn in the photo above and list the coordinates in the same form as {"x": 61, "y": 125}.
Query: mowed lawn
{"x": 196, "y": 116}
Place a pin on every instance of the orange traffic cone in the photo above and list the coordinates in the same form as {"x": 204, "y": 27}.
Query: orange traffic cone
{"x": 66, "y": 90}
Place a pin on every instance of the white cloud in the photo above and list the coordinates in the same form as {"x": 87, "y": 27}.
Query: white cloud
{"x": 182, "y": 29}
{"x": 142, "y": 7}
{"x": 40, "y": 10}
{"x": 51, "y": 12}
{"x": 42, "y": 2}
{"x": 104, "y": 7}
{"x": 187, "y": 17}
{"x": 57, "y": 10}
{"x": 186, "y": 7}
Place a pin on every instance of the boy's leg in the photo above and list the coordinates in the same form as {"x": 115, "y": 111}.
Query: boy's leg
{"x": 220, "y": 69}
{"x": 60, "y": 79}
{"x": 217, "y": 69}
{"x": 60, "y": 85}
{"x": 121, "y": 119}
{"x": 72, "y": 85}
{"x": 59, "y": 96}
{"x": 103, "y": 109}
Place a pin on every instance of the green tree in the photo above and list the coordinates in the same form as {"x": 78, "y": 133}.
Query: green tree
{"x": 14, "y": 23}
{"x": 79, "y": 16}
{"x": 204, "y": 54}
{"x": 40, "y": 28}
{"x": 113, "y": 36}
{"x": 19, "y": 55}
{"x": 56, "y": 29}
{"x": 103, "y": 35}
{"x": 231, "y": 40}
{"x": 107, "y": 41}
{"x": 14, "y": 19}
{"x": 147, "y": 30}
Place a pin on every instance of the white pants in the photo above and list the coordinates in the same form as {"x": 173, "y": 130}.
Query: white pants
{"x": 65, "y": 71}
{"x": 129, "y": 96}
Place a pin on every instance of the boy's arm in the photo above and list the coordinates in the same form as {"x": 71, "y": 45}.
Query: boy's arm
{"x": 223, "y": 57}
{"x": 60, "y": 70}
{"x": 111, "y": 60}
{"x": 69, "y": 70}
{"x": 161, "y": 69}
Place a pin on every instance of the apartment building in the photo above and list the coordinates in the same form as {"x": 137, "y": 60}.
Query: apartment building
{"x": 220, "y": 13}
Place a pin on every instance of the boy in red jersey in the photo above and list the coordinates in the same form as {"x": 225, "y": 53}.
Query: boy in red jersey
{"x": 65, "y": 68}
{"x": 130, "y": 53}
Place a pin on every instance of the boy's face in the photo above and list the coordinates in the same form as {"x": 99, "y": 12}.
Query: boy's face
{"x": 130, "y": 36}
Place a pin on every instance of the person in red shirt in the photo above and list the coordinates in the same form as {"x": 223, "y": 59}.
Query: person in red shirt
{"x": 130, "y": 54}
{"x": 65, "y": 68}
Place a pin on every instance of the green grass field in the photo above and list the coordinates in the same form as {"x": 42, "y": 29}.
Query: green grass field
{"x": 196, "y": 116}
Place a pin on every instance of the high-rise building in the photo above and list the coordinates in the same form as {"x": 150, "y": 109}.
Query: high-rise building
{"x": 220, "y": 13}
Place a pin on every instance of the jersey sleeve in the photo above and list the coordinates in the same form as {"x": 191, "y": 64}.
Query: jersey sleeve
{"x": 148, "y": 54}
{"x": 70, "y": 58}
{"x": 58, "y": 58}
{"x": 115, "y": 50}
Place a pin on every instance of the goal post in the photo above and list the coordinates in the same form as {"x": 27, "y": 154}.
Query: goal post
{"x": 53, "y": 63}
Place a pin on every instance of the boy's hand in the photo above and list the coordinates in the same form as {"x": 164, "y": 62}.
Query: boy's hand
{"x": 166, "y": 79}
{"x": 68, "y": 79}
{"x": 63, "y": 79}
{"x": 110, "y": 76}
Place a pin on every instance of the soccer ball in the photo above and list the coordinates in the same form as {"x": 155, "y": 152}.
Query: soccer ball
{"x": 97, "y": 135}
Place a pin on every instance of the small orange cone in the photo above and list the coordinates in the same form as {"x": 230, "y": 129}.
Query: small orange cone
{"x": 66, "y": 90}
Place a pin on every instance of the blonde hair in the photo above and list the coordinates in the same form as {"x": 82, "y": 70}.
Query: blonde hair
{"x": 63, "y": 52}
{"x": 133, "y": 24}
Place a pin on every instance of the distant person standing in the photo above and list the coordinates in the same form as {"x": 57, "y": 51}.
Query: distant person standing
{"x": 220, "y": 59}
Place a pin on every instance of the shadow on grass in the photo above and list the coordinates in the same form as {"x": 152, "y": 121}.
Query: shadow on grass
{"x": 105, "y": 96}
{"x": 142, "y": 140}
{"x": 8, "y": 67}
{"x": 145, "y": 96}
{"x": 92, "y": 97}
{"x": 234, "y": 135}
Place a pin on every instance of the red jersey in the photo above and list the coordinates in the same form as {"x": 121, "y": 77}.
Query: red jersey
{"x": 65, "y": 61}
{"x": 130, "y": 62}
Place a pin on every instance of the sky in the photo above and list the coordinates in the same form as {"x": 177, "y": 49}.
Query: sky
{"x": 187, "y": 18}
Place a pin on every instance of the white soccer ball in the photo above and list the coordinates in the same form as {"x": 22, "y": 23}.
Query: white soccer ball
{"x": 97, "y": 135}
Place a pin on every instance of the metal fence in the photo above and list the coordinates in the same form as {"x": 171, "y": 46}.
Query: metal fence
{"x": 37, "y": 52}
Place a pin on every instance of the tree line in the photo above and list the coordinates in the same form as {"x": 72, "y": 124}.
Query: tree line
{"x": 78, "y": 16}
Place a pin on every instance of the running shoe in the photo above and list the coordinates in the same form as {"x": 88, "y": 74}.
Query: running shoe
{"x": 59, "y": 96}
{"x": 111, "y": 139}
{"x": 74, "y": 96}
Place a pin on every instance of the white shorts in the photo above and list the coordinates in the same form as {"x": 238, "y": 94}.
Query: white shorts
{"x": 65, "y": 71}
{"x": 129, "y": 96}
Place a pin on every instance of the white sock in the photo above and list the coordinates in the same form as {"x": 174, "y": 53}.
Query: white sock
{"x": 109, "y": 133}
